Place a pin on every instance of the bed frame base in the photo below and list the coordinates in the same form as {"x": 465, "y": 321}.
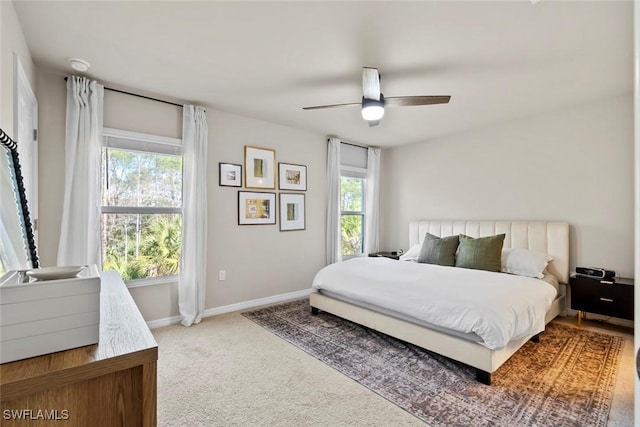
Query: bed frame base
{"x": 483, "y": 377}
{"x": 476, "y": 355}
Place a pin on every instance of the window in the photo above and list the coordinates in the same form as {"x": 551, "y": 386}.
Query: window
{"x": 141, "y": 204}
{"x": 352, "y": 212}
{"x": 353, "y": 174}
{"x": 353, "y": 180}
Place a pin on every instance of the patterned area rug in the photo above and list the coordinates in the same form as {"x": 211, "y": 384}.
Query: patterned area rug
{"x": 565, "y": 380}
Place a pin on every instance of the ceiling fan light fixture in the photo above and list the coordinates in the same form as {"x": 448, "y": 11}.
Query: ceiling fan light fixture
{"x": 372, "y": 109}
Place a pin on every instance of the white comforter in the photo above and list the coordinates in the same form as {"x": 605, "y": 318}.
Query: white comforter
{"x": 498, "y": 307}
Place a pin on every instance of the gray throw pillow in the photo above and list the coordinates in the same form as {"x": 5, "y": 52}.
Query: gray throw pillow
{"x": 483, "y": 253}
{"x": 436, "y": 250}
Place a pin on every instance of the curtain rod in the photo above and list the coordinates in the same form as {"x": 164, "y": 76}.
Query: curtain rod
{"x": 353, "y": 145}
{"x": 139, "y": 96}
{"x": 142, "y": 96}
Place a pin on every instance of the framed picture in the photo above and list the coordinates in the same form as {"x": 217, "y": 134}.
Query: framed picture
{"x": 259, "y": 167}
{"x": 292, "y": 177}
{"x": 292, "y": 212}
{"x": 230, "y": 175}
{"x": 255, "y": 208}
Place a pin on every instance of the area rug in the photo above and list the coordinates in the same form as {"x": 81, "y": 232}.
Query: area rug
{"x": 565, "y": 380}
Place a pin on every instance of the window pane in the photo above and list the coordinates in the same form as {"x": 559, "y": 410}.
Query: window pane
{"x": 352, "y": 233}
{"x": 140, "y": 246}
{"x": 351, "y": 194}
{"x": 132, "y": 178}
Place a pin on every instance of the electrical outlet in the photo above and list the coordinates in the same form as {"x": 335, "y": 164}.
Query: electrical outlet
{"x": 222, "y": 275}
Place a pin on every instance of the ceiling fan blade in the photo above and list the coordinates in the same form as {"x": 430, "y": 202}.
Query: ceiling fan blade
{"x": 318, "y": 107}
{"x": 373, "y": 123}
{"x": 408, "y": 101}
{"x": 370, "y": 83}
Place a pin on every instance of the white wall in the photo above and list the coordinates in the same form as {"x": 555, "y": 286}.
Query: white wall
{"x": 260, "y": 261}
{"x": 574, "y": 165}
{"x": 52, "y": 103}
{"x": 12, "y": 42}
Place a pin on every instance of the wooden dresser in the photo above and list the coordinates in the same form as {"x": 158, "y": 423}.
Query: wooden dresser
{"x": 112, "y": 383}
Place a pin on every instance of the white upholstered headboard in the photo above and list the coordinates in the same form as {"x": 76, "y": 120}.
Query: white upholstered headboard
{"x": 548, "y": 237}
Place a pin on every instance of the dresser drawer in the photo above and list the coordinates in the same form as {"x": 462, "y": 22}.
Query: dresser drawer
{"x": 592, "y": 296}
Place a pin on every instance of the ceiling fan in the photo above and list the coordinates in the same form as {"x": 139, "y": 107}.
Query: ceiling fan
{"x": 373, "y": 102}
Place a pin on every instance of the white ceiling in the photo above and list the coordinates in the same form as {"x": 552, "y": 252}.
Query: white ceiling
{"x": 498, "y": 60}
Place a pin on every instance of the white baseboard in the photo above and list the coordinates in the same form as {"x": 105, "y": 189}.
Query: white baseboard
{"x": 158, "y": 323}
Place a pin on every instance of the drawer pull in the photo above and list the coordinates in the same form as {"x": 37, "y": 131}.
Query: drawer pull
{"x": 606, "y": 282}
{"x": 606, "y": 299}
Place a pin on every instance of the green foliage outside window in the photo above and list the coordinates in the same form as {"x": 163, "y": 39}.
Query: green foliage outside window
{"x": 132, "y": 178}
{"x": 141, "y": 245}
{"x": 351, "y": 234}
{"x": 352, "y": 218}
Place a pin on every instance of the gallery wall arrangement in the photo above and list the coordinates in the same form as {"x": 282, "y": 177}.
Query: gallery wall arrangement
{"x": 259, "y": 207}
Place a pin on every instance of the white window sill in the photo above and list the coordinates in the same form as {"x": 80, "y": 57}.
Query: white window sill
{"x": 346, "y": 257}
{"x": 139, "y": 283}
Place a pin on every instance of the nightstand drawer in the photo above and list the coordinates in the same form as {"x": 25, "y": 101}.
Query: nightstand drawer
{"x": 592, "y": 296}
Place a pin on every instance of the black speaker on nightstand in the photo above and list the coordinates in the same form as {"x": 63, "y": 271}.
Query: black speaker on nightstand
{"x": 595, "y": 272}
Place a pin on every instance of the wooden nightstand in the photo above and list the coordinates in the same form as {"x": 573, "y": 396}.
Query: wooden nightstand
{"x": 392, "y": 255}
{"x": 602, "y": 296}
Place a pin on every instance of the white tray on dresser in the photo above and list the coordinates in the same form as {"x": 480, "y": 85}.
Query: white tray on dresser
{"x": 45, "y": 316}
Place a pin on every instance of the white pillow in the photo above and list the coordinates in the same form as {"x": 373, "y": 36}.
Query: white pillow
{"x": 524, "y": 262}
{"x": 412, "y": 254}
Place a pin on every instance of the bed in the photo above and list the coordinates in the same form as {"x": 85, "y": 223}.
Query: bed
{"x": 470, "y": 348}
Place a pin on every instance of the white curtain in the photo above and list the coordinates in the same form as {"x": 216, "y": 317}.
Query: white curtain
{"x": 372, "y": 204}
{"x": 334, "y": 246}
{"x": 80, "y": 231}
{"x": 193, "y": 269}
{"x": 9, "y": 244}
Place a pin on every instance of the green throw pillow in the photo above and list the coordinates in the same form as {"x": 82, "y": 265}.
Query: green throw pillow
{"x": 483, "y": 253}
{"x": 436, "y": 250}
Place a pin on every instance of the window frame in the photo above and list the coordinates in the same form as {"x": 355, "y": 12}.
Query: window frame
{"x": 360, "y": 173}
{"x": 163, "y": 145}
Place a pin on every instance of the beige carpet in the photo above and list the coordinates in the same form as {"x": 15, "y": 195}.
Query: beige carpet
{"x": 228, "y": 371}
